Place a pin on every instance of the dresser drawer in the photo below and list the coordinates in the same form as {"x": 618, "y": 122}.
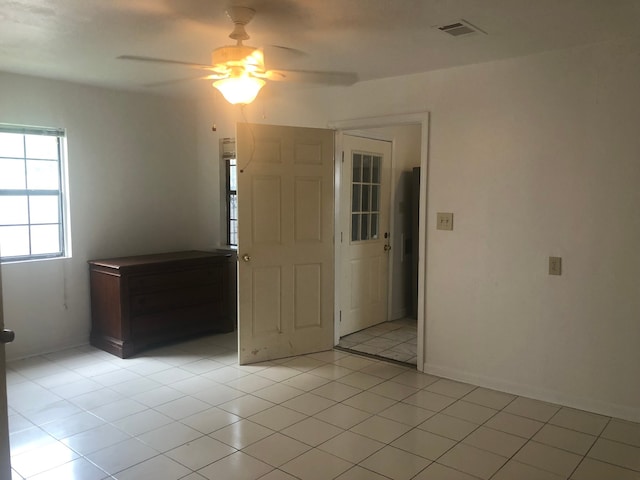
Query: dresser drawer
{"x": 179, "y": 323}
{"x": 173, "y": 299}
{"x": 211, "y": 275}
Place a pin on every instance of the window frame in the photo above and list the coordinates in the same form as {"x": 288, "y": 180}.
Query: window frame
{"x": 370, "y": 209}
{"x": 232, "y": 234}
{"x": 228, "y": 157}
{"x": 60, "y": 192}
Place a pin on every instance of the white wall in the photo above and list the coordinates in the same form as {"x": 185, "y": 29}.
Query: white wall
{"x": 535, "y": 156}
{"x": 132, "y": 171}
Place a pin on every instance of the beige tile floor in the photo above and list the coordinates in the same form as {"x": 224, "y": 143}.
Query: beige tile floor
{"x": 395, "y": 340}
{"x": 189, "y": 411}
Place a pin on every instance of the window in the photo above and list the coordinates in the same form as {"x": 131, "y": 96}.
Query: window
{"x": 31, "y": 193}
{"x": 365, "y": 196}
{"x": 231, "y": 189}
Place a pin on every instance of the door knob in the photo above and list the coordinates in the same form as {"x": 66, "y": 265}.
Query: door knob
{"x": 7, "y": 336}
{"x": 387, "y": 248}
{"x": 246, "y": 257}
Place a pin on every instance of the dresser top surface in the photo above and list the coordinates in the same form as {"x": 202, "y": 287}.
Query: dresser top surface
{"x": 141, "y": 260}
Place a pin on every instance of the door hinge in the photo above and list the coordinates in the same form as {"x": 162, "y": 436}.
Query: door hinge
{"x": 343, "y": 156}
{"x": 340, "y": 315}
{"x": 340, "y": 237}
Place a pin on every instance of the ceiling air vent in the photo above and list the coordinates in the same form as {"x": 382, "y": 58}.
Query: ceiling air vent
{"x": 459, "y": 29}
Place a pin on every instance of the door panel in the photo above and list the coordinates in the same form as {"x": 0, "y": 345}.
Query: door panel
{"x": 285, "y": 209}
{"x": 308, "y": 296}
{"x": 265, "y": 214}
{"x": 308, "y": 210}
{"x": 267, "y": 293}
{"x": 365, "y": 233}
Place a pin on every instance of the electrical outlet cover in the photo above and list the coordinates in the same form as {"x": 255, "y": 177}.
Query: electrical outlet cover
{"x": 555, "y": 265}
{"x": 444, "y": 221}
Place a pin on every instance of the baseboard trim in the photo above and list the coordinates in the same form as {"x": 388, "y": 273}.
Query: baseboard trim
{"x": 525, "y": 390}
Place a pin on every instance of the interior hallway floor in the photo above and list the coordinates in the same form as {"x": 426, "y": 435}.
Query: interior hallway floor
{"x": 189, "y": 411}
{"x": 396, "y": 340}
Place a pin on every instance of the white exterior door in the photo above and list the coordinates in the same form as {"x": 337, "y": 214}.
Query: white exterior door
{"x": 285, "y": 241}
{"x": 365, "y": 237}
{"x": 5, "y": 465}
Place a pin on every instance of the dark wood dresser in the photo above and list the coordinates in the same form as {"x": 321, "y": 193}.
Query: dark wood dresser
{"x": 146, "y": 300}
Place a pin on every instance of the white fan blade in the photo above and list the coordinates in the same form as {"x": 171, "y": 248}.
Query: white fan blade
{"x": 166, "y": 61}
{"x": 282, "y": 50}
{"x": 311, "y": 76}
{"x": 186, "y": 79}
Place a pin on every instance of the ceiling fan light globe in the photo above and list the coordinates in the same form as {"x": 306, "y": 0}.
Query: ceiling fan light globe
{"x": 239, "y": 90}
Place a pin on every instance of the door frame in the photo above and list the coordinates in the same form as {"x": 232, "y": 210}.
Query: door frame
{"x": 5, "y": 452}
{"x": 361, "y": 125}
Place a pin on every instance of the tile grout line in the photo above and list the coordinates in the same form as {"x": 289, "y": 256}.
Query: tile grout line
{"x": 337, "y": 380}
{"x": 589, "y": 450}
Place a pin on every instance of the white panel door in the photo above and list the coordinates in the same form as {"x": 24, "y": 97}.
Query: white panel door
{"x": 5, "y": 465}
{"x": 365, "y": 190}
{"x": 285, "y": 241}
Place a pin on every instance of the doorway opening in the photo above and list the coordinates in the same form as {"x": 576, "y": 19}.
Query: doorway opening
{"x": 395, "y": 340}
{"x": 266, "y": 277}
{"x": 397, "y": 332}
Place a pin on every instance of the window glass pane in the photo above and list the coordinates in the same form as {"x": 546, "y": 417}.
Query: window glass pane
{"x": 41, "y": 146}
{"x": 45, "y": 239}
{"x": 375, "y": 178}
{"x": 364, "y": 227}
{"x": 13, "y": 210}
{"x": 355, "y": 227}
{"x": 44, "y": 209}
{"x": 355, "y": 198}
{"x": 375, "y": 198}
{"x": 232, "y": 219}
{"x": 233, "y": 232}
{"x": 233, "y": 179}
{"x": 365, "y": 198}
{"x": 233, "y": 206}
{"x": 12, "y": 174}
{"x": 357, "y": 168}
{"x": 366, "y": 168}
{"x": 374, "y": 226}
{"x": 14, "y": 241}
{"x": 11, "y": 145}
{"x": 42, "y": 175}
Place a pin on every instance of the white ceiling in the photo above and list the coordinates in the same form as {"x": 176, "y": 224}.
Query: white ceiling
{"x": 79, "y": 40}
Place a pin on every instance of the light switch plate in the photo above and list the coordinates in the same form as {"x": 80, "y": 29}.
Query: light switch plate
{"x": 444, "y": 221}
{"x": 555, "y": 265}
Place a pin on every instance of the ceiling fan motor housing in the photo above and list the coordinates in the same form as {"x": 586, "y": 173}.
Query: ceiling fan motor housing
{"x": 237, "y": 56}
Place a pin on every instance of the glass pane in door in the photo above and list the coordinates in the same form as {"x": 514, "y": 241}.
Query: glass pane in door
{"x": 355, "y": 227}
{"x": 357, "y": 167}
{"x": 374, "y": 226}
{"x": 364, "y": 227}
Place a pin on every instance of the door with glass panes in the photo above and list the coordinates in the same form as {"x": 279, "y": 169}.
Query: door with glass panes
{"x": 365, "y": 235}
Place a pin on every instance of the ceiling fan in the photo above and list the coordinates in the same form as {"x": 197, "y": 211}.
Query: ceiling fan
{"x": 239, "y": 70}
